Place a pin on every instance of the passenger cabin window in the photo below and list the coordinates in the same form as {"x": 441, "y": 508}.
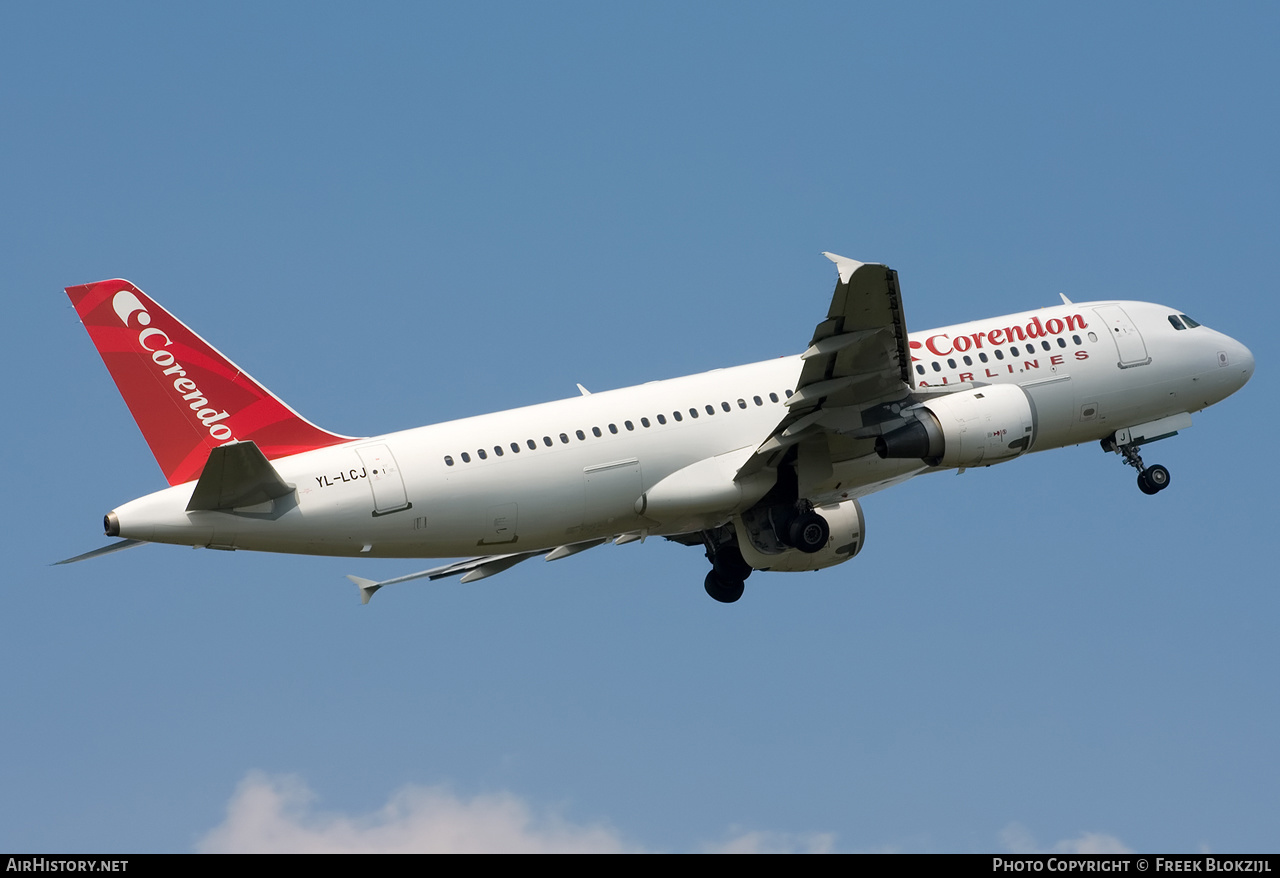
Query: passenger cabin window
{"x": 448, "y": 460}
{"x": 677, "y": 416}
{"x": 497, "y": 449}
{"x": 693, "y": 413}
{"x": 919, "y": 368}
{"x": 644, "y": 422}
{"x": 742, "y": 403}
{"x": 773, "y": 397}
{"x": 628, "y": 425}
{"x": 564, "y": 437}
{"x": 532, "y": 445}
{"x": 466, "y": 458}
{"x": 595, "y": 431}
{"x": 757, "y": 400}
{"x": 581, "y": 435}
{"x": 937, "y": 367}
{"x": 546, "y": 440}
{"x": 515, "y": 447}
{"x": 480, "y": 454}
{"x": 662, "y": 419}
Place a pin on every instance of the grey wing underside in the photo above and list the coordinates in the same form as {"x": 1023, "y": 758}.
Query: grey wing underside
{"x": 857, "y": 361}
{"x": 473, "y": 569}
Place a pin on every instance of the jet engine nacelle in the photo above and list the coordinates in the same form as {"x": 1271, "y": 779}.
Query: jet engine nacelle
{"x": 975, "y": 427}
{"x": 761, "y": 548}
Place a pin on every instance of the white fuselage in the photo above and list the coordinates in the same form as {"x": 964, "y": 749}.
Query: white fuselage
{"x": 573, "y": 470}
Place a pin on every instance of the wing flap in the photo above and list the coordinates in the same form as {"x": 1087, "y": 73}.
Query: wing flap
{"x": 472, "y": 569}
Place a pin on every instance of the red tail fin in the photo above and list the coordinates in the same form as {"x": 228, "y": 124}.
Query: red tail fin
{"x": 186, "y": 397}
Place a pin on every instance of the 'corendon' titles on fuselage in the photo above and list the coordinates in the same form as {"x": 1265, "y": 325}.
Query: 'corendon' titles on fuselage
{"x": 943, "y": 344}
{"x": 962, "y": 354}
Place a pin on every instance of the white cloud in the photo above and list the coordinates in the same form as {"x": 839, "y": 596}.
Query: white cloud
{"x": 1018, "y": 840}
{"x": 278, "y": 815}
{"x": 774, "y": 843}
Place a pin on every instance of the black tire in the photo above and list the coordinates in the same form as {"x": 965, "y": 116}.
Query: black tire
{"x": 1157, "y": 477}
{"x": 726, "y": 592}
{"x": 809, "y": 533}
{"x": 730, "y": 565}
{"x": 1145, "y": 486}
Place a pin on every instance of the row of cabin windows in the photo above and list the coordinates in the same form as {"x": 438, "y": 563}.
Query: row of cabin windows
{"x": 498, "y": 450}
{"x": 999, "y": 354}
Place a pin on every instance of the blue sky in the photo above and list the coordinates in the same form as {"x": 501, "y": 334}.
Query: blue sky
{"x": 410, "y": 213}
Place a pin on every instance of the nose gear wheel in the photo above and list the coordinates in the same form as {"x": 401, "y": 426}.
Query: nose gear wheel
{"x": 1151, "y": 479}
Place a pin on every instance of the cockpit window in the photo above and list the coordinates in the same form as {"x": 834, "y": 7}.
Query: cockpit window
{"x": 1191, "y": 324}
{"x": 1177, "y": 324}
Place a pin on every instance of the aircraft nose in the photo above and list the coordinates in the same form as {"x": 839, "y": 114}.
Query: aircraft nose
{"x": 1242, "y": 359}
{"x": 1239, "y": 360}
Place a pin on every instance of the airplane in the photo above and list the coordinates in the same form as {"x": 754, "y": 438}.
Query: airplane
{"x": 760, "y": 465}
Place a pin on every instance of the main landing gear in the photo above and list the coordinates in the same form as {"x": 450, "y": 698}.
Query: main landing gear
{"x": 805, "y": 530}
{"x": 728, "y": 575}
{"x": 1151, "y": 479}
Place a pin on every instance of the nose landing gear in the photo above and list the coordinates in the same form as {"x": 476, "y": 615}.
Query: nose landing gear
{"x": 1151, "y": 479}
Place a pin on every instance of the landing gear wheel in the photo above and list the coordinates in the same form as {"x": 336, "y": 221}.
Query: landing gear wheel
{"x": 1156, "y": 477}
{"x": 809, "y": 533}
{"x": 1145, "y": 486}
{"x": 725, "y": 591}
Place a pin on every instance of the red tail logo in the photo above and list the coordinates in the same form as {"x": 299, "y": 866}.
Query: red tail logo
{"x": 186, "y": 397}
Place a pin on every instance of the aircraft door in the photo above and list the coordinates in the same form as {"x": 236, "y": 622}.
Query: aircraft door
{"x": 1129, "y": 343}
{"x": 384, "y": 479}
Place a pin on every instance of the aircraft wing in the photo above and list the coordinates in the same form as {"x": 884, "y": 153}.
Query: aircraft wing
{"x": 857, "y": 361}
{"x": 471, "y": 569}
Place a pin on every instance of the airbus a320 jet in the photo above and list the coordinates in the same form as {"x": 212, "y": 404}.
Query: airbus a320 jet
{"x": 761, "y": 465}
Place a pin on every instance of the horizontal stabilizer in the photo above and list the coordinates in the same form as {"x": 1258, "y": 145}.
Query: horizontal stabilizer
{"x": 105, "y": 550}
{"x": 367, "y": 587}
{"x": 235, "y": 475}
